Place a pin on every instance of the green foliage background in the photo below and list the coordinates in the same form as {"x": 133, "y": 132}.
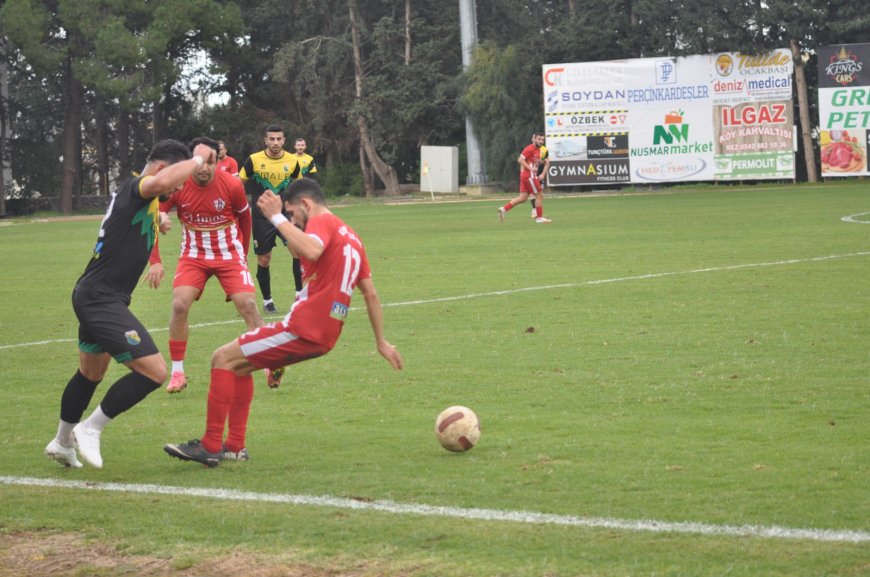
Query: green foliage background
{"x": 137, "y": 66}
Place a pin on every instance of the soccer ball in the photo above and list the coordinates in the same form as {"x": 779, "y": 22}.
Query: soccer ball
{"x": 457, "y": 429}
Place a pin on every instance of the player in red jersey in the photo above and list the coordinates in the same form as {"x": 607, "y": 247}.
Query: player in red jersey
{"x": 216, "y": 220}
{"x": 226, "y": 163}
{"x": 530, "y": 183}
{"x": 543, "y": 168}
{"x": 334, "y": 263}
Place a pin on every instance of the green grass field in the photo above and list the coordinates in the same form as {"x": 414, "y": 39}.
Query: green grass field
{"x": 697, "y": 356}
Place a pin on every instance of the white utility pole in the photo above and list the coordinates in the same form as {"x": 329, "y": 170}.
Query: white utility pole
{"x": 468, "y": 32}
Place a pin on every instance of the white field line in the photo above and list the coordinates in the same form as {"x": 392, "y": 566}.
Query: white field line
{"x": 519, "y": 290}
{"x": 854, "y": 218}
{"x": 630, "y": 278}
{"x": 525, "y": 517}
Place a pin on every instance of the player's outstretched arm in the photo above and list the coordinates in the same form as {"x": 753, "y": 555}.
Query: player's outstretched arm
{"x": 168, "y": 179}
{"x": 298, "y": 243}
{"x": 376, "y": 317}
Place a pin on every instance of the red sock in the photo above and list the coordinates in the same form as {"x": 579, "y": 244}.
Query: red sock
{"x": 507, "y": 207}
{"x": 239, "y": 410}
{"x": 539, "y": 210}
{"x": 177, "y": 349}
{"x": 220, "y": 397}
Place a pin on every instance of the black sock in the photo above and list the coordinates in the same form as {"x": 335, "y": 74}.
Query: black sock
{"x": 76, "y": 397}
{"x": 265, "y": 281}
{"x": 126, "y": 393}
{"x": 297, "y": 274}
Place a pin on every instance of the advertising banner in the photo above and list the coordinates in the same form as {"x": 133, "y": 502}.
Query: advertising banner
{"x": 721, "y": 117}
{"x": 844, "y": 109}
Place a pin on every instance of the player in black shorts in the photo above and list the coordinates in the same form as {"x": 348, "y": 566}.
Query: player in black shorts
{"x": 269, "y": 169}
{"x": 107, "y": 328}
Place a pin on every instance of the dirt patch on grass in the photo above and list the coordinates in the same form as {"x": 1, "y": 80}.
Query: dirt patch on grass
{"x": 35, "y": 554}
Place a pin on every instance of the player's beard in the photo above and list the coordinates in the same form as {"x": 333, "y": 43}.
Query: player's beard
{"x": 304, "y": 218}
{"x": 203, "y": 182}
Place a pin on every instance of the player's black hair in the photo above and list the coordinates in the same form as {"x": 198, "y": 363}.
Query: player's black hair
{"x": 303, "y": 188}
{"x": 273, "y": 128}
{"x": 169, "y": 151}
{"x": 534, "y": 134}
{"x": 210, "y": 142}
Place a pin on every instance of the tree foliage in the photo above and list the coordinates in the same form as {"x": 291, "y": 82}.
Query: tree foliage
{"x": 126, "y": 66}
{"x": 128, "y": 52}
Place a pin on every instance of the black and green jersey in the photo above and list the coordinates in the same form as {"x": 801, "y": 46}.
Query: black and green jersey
{"x": 262, "y": 172}
{"x": 124, "y": 243}
{"x": 544, "y": 156}
{"x": 305, "y": 166}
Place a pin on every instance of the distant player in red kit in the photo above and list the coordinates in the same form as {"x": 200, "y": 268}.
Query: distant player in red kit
{"x": 226, "y": 163}
{"x": 216, "y": 220}
{"x": 334, "y": 262}
{"x": 530, "y": 183}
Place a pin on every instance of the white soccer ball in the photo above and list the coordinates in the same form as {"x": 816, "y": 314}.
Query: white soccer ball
{"x": 457, "y": 428}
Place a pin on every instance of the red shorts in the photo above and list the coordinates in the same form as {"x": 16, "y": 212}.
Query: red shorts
{"x": 530, "y": 185}
{"x": 232, "y": 274}
{"x": 272, "y": 346}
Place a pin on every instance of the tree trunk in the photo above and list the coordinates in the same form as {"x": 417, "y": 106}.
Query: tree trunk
{"x": 5, "y": 171}
{"x": 160, "y": 115}
{"x": 407, "y": 32}
{"x": 572, "y": 8}
{"x": 71, "y": 183}
{"x": 384, "y": 171}
{"x": 800, "y": 81}
{"x": 102, "y": 145}
{"x": 158, "y": 121}
{"x": 125, "y": 164}
{"x": 138, "y": 149}
{"x": 368, "y": 184}
{"x": 232, "y": 84}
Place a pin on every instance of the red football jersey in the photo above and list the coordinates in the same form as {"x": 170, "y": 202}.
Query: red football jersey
{"x": 208, "y": 215}
{"x": 320, "y": 309}
{"x": 532, "y": 154}
{"x": 228, "y": 164}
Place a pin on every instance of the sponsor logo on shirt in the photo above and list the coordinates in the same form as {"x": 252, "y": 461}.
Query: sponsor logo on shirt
{"x": 339, "y": 311}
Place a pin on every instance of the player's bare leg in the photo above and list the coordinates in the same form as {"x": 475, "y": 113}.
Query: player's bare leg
{"x": 246, "y": 304}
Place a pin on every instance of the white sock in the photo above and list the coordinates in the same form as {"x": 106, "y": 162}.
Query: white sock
{"x": 177, "y": 366}
{"x": 64, "y": 434}
{"x": 98, "y": 420}
{"x": 267, "y": 302}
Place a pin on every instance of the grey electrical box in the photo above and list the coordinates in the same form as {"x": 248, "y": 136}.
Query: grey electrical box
{"x": 439, "y": 169}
